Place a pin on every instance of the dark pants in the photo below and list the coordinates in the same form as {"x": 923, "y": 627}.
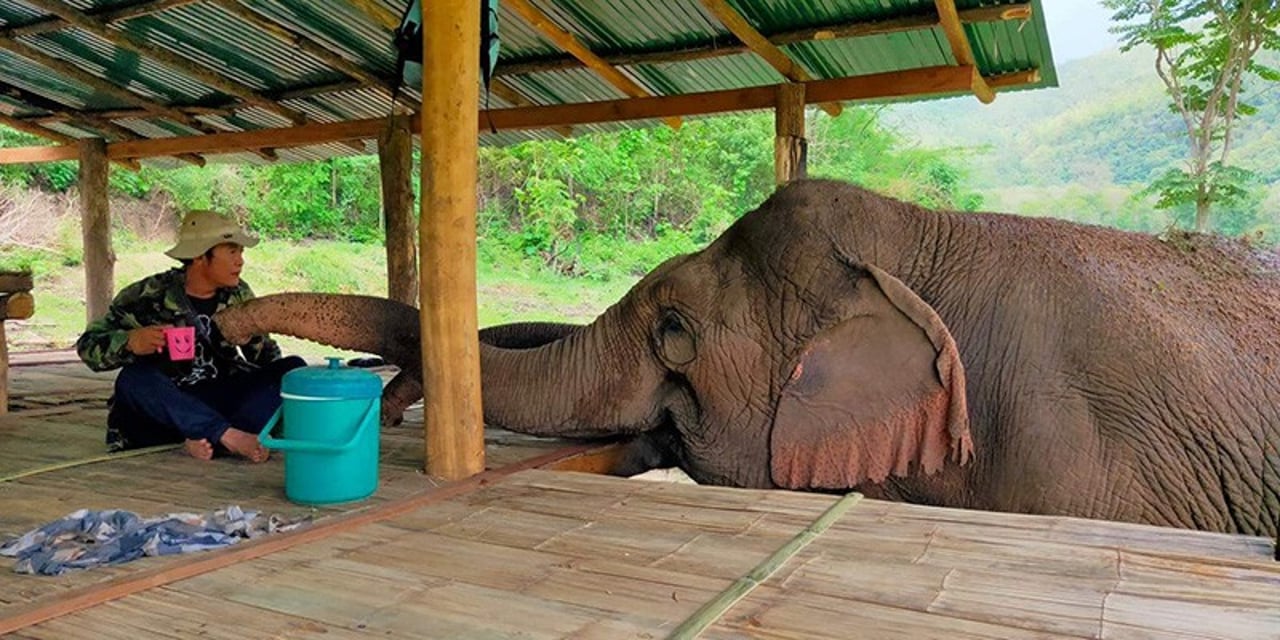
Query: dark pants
{"x": 150, "y": 409}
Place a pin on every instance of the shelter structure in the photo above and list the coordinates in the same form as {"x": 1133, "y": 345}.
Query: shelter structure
{"x": 196, "y": 81}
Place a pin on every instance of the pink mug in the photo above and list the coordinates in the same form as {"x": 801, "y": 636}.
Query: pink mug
{"x": 181, "y": 342}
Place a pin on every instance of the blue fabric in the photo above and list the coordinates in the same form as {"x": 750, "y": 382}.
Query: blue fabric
{"x": 149, "y": 409}
{"x": 85, "y": 539}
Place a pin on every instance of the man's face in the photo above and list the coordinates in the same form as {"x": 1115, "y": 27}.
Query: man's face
{"x": 222, "y": 268}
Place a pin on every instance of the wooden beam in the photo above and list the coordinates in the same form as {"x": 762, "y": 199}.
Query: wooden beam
{"x": 379, "y": 14}
{"x": 719, "y": 48}
{"x": 508, "y": 93}
{"x": 760, "y": 45}
{"x": 949, "y": 19}
{"x": 95, "y": 226}
{"x": 395, "y": 162}
{"x": 108, "y": 16}
{"x": 896, "y": 84}
{"x": 172, "y": 60}
{"x": 790, "y": 158}
{"x": 567, "y": 41}
{"x": 454, "y": 418}
{"x": 37, "y": 155}
{"x": 15, "y": 281}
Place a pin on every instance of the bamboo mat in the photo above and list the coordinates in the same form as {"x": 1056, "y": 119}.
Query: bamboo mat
{"x": 544, "y": 554}
{"x": 59, "y": 421}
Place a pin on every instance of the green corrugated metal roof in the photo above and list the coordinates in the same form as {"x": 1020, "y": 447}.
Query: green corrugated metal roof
{"x": 209, "y": 35}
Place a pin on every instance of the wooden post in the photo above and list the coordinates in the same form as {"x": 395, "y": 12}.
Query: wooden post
{"x": 447, "y": 234}
{"x": 395, "y": 162}
{"x": 95, "y": 227}
{"x": 17, "y": 304}
{"x": 4, "y": 370}
{"x": 789, "y": 146}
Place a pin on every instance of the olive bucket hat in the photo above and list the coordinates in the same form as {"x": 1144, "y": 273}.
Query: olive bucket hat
{"x": 203, "y": 230}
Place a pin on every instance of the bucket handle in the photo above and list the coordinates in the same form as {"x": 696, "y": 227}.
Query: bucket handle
{"x": 307, "y": 446}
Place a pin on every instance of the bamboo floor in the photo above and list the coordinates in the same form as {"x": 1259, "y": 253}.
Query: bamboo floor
{"x": 525, "y": 552}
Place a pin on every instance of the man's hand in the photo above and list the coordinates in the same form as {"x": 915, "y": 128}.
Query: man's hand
{"x": 146, "y": 340}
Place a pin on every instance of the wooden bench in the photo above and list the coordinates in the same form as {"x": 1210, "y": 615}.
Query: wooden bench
{"x": 16, "y": 303}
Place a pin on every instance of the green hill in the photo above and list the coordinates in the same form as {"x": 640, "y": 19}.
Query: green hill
{"x": 1106, "y": 124}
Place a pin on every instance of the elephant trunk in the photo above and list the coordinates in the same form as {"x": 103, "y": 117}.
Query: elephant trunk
{"x": 365, "y": 324}
{"x": 593, "y": 382}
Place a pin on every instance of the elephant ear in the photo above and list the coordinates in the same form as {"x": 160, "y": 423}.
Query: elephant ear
{"x": 880, "y": 390}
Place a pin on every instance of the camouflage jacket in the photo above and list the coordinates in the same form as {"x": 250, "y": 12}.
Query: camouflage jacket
{"x": 161, "y": 299}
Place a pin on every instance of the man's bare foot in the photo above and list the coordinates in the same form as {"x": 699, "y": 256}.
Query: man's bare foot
{"x": 198, "y": 449}
{"x": 244, "y": 444}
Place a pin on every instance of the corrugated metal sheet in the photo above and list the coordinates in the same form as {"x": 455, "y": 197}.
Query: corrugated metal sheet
{"x": 245, "y": 55}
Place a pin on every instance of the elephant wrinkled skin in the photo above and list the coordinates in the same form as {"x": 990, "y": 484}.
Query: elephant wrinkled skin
{"x": 835, "y": 339}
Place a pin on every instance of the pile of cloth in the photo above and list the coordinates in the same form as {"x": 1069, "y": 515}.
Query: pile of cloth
{"x": 85, "y": 539}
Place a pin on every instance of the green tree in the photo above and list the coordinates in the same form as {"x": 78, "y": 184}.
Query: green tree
{"x": 1205, "y": 50}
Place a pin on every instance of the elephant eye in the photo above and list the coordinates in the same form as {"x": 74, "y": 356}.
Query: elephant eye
{"x": 675, "y": 343}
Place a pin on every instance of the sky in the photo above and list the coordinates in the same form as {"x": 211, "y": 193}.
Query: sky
{"x": 1077, "y": 28}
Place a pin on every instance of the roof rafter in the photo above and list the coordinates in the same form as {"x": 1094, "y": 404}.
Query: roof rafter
{"x": 569, "y": 42}
{"x": 949, "y": 19}
{"x": 172, "y": 60}
{"x": 79, "y": 117}
{"x": 826, "y": 32}
{"x": 737, "y": 24}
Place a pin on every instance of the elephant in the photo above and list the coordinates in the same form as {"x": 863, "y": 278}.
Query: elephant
{"x": 835, "y": 339}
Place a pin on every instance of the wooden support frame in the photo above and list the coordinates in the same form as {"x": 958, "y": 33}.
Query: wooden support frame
{"x": 929, "y": 80}
{"x": 567, "y": 41}
{"x": 395, "y": 162}
{"x": 95, "y": 226}
{"x": 1021, "y": 11}
{"x": 454, "y": 418}
{"x": 760, "y": 45}
{"x": 949, "y": 19}
{"x": 790, "y": 149}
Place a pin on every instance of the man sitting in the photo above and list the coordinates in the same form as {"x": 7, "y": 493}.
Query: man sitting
{"x": 212, "y": 396}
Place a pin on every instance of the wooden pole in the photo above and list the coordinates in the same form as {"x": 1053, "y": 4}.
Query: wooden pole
{"x": 790, "y": 150}
{"x": 447, "y": 234}
{"x": 395, "y": 159}
{"x": 4, "y": 371}
{"x": 95, "y": 226}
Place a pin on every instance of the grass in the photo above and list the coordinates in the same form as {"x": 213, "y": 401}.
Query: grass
{"x": 505, "y": 292}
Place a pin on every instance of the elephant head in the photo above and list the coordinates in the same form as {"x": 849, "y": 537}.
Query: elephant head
{"x": 784, "y": 354}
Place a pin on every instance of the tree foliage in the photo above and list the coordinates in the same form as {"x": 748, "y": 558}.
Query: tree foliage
{"x": 599, "y": 205}
{"x": 1206, "y": 50}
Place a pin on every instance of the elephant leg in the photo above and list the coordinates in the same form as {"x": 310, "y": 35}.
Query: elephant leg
{"x": 403, "y": 390}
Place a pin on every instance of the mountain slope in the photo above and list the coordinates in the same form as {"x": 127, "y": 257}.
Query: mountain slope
{"x": 1107, "y": 123}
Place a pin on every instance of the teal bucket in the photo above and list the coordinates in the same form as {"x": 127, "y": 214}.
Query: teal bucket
{"x": 330, "y": 434}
